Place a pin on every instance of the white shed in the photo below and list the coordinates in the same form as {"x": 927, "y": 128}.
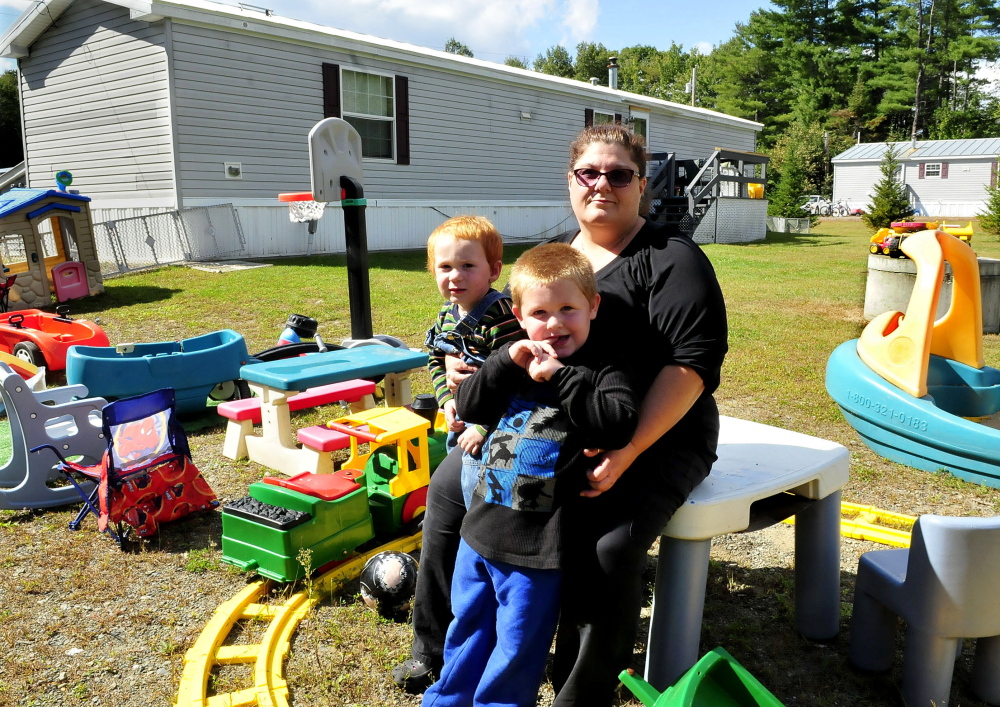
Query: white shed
{"x": 943, "y": 177}
{"x": 166, "y": 105}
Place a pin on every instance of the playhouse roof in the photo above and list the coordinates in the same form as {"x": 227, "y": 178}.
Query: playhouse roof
{"x": 17, "y": 199}
{"x": 38, "y": 16}
{"x": 923, "y": 150}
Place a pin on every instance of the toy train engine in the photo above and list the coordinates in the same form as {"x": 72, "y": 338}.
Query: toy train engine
{"x": 377, "y": 492}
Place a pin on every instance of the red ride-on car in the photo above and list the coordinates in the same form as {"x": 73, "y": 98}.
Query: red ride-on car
{"x": 42, "y": 338}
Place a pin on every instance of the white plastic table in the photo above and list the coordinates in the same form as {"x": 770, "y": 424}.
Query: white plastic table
{"x": 756, "y": 462}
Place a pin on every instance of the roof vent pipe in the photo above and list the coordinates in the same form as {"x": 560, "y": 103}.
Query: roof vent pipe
{"x": 613, "y": 72}
{"x": 594, "y": 80}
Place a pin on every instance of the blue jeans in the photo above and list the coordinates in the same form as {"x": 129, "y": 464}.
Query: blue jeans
{"x": 497, "y": 644}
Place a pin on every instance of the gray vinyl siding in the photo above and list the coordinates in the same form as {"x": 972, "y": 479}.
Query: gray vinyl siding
{"x": 252, "y": 99}
{"x": 693, "y": 139}
{"x": 967, "y": 181}
{"x": 95, "y": 102}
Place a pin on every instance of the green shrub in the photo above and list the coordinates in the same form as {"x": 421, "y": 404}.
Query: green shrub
{"x": 989, "y": 218}
{"x": 890, "y": 201}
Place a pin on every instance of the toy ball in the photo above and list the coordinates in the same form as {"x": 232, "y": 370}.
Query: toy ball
{"x": 388, "y": 581}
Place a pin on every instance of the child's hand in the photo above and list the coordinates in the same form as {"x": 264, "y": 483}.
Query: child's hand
{"x": 451, "y": 420}
{"x": 542, "y": 367}
{"x": 471, "y": 440}
{"x": 538, "y": 358}
{"x": 523, "y": 352}
{"x": 457, "y": 371}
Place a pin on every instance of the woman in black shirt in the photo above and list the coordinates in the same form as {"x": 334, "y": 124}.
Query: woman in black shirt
{"x": 662, "y": 313}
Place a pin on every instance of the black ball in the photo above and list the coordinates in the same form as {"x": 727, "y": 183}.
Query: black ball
{"x": 388, "y": 581}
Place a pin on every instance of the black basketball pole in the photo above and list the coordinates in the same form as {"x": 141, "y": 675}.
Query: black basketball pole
{"x": 356, "y": 237}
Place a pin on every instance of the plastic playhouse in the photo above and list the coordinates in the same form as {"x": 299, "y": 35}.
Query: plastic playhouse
{"x": 192, "y": 367}
{"x": 917, "y": 389}
{"x": 48, "y": 244}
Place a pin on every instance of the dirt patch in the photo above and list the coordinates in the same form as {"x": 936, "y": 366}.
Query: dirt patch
{"x": 82, "y": 623}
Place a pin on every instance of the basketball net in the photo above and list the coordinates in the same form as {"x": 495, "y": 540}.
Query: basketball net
{"x": 305, "y": 211}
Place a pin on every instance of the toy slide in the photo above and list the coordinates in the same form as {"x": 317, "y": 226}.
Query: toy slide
{"x": 873, "y": 524}
{"x": 916, "y": 389}
{"x": 716, "y": 680}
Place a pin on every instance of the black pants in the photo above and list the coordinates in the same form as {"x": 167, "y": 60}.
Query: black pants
{"x": 610, "y": 536}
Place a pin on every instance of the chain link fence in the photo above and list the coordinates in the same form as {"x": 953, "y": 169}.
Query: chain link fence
{"x": 195, "y": 234}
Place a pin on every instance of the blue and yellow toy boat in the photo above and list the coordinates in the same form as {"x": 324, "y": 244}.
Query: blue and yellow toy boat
{"x": 917, "y": 390}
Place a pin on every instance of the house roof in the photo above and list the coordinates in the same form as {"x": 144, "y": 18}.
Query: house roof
{"x": 16, "y": 43}
{"x": 924, "y": 150}
{"x": 18, "y": 199}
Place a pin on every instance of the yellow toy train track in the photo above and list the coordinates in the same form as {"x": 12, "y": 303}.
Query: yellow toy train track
{"x": 269, "y": 688}
{"x": 874, "y": 524}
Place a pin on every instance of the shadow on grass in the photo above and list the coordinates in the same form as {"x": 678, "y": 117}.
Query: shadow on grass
{"x": 795, "y": 239}
{"x": 117, "y": 297}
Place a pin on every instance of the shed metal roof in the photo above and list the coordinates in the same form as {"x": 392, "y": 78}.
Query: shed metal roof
{"x": 926, "y": 149}
{"x": 18, "y": 199}
{"x": 16, "y": 43}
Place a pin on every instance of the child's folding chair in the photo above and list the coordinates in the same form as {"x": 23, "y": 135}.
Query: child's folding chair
{"x": 146, "y": 476}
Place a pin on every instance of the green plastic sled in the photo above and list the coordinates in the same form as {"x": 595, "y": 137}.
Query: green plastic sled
{"x": 716, "y": 680}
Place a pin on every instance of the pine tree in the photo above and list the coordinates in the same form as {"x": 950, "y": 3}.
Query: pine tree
{"x": 989, "y": 218}
{"x": 789, "y": 193}
{"x": 890, "y": 201}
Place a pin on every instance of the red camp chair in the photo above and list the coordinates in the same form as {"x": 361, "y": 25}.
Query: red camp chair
{"x": 5, "y": 292}
{"x": 146, "y": 476}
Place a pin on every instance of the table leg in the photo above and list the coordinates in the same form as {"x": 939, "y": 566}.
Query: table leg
{"x": 817, "y": 569}
{"x": 678, "y": 606}
{"x": 275, "y": 448}
{"x": 397, "y": 389}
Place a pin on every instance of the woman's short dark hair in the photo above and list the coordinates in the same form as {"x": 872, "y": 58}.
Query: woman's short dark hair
{"x": 615, "y": 134}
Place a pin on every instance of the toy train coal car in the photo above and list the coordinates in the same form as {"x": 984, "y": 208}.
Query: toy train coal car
{"x": 378, "y": 492}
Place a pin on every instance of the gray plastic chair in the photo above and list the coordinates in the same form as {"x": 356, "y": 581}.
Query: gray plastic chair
{"x": 945, "y": 586}
{"x": 63, "y": 417}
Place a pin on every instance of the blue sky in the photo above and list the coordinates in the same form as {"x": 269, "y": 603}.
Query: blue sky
{"x": 494, "y": 29}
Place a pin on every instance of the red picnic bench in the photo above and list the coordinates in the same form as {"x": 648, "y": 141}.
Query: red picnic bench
{"x": 243, "y": 414}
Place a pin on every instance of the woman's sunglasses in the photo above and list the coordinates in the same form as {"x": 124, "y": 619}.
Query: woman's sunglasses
{"x": 618, "y": 178}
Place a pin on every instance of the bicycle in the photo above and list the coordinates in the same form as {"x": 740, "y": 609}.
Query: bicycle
{"x": 841, "y": 208}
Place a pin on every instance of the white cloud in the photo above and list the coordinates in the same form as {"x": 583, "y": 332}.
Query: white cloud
{"x": 704, "y": 48}
{"x": 579, "y": 17}
{"x": 491, "y": 28}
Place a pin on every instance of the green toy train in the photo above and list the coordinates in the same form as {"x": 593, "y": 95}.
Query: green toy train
{"x": 378, "y": 492}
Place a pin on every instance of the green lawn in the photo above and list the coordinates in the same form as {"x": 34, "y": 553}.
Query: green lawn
{"x": 791, "y": 300}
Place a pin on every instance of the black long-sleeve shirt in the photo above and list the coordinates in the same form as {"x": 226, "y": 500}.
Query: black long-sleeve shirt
{"x": 532, "y": 463}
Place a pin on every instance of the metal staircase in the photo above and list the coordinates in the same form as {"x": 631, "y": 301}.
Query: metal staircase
{"x": 682, "y": 191}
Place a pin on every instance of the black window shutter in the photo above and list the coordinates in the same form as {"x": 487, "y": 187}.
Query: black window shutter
{"x": 331, "y": 91}
{"x": 920, "y": 171}
{"x": 944, "y": 170}
{"x": 402, "y": 120}
{"x": 618, "y": 118}
{"x": 588, "y": 117}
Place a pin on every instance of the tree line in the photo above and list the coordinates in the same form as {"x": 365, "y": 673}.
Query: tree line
{"x": 821, "y": 75}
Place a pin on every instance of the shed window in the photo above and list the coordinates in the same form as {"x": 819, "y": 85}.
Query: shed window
{"x": 932, "y": 169}
{"x": 369, "y": 106}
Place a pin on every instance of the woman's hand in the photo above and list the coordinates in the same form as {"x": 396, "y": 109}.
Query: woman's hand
{"x": 457, "y": 371}
{"x": 609, "y": 469}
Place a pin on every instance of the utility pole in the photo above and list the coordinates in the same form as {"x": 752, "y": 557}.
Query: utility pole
{"x": 694, "y": 81}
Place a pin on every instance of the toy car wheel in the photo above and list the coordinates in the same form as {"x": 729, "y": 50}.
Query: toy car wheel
{"x": 885, "y": 250}
{"x": 29, "y": 351}
{"x": 230, "y": 390}
{"x": 874, "y": 249}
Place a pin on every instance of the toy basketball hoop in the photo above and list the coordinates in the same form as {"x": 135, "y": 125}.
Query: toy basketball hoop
{"x": 301, "y": 206}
